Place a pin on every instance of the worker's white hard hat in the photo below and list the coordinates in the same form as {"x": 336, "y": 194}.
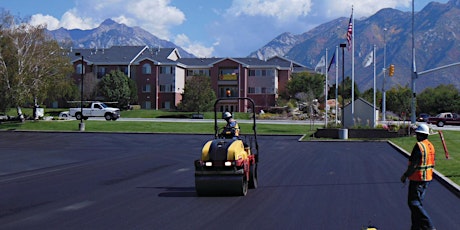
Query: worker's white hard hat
{"x": 423, "y": 128}
{"x": 227, "y": 115}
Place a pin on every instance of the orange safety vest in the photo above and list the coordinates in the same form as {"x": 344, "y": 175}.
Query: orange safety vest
{"x": 424, "y": 171}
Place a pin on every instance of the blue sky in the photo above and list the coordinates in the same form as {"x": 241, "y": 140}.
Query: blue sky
{"x": 206, "y": 28}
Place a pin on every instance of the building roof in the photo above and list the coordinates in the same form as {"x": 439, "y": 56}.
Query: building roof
{"x": 363, "y": 101}
{"x": 125, "y": 55}
{"x": 159, "y": 55}
{"x": 115, "y": 55}
{"x": 286, "y": 63}
{"x": 199, "y": 62}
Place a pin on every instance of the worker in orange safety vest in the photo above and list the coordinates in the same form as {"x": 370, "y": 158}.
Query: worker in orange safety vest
{"x": 420, "y": 173}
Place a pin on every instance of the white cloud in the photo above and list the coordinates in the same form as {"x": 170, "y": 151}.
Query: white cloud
{"x": 125, "y": 20}
{"x": 281, "y": 9}
{"x": 195, "y": 48}
{"x": 155, "y": 16}
{"x": 362, "y": 8}
{"x": 72, "y": 20}
{"x": 291, "y": 9}
{"x": 51, "y": 22}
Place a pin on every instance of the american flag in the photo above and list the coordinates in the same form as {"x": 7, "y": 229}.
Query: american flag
{"x": 350, "y": 31}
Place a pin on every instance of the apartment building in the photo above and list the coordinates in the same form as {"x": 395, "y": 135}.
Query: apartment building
{"x": 161, "y": 73}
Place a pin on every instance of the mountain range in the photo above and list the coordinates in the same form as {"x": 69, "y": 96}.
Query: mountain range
{"x": 435, "y": 28}
{"x": 111, "y": 33}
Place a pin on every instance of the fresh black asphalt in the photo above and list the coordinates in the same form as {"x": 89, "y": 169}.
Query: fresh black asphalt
{"x": 145, "y": 181}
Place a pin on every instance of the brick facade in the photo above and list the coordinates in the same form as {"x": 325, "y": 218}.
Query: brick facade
{"x": 160, "y": 75}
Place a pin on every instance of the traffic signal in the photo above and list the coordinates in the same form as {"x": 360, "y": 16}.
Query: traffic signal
{"x": 391, "y": 71}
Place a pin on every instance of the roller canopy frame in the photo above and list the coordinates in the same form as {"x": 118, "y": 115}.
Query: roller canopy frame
{"x": 254, "y": 128}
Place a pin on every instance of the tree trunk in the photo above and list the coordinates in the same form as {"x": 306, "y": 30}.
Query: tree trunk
{"x": 20, "y": 115}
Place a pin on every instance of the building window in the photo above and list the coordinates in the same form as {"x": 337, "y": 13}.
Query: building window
{"x": 166, "y": 105}
{"x": 227, "y": 108}
{"x": 101, "y": 72}
{"x": 228, "y": 91}
{"x": 146, "y": 69}
{"x": 148, "y": 104}
{"x": 124, "y": 69}
{"x": 167, "y": 88}
{"x": 198, "y": 72}
{"x": 167, "y": 70}
{"x": 146, "y": 88}
{"x": 80, "y": 69}
{"x": 261, "y": 72}
{"x": 251, "y": 90}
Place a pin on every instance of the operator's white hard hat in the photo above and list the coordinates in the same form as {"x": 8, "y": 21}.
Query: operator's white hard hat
{"x": 227, "y": 115}
{"x": 423, "y": 128}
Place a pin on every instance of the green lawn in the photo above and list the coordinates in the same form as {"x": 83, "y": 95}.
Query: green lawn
{"x": 449, "y": 167}
{"x": 137, "y": 113}
{"x": 152, "y": 127}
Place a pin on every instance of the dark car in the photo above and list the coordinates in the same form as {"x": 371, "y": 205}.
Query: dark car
{"x": 423, "y": 117}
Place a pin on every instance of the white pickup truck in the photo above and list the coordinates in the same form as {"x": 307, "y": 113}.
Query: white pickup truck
{"x": 96, "y": 109}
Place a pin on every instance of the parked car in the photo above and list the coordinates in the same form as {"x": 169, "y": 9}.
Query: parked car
{"x": 423, "y": 117}
{"x": 444, "y": 119}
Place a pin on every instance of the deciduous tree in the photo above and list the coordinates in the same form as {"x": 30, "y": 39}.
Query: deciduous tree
{"x": 398, "y": 100}
{"x": 32, "y": 65}
{"x": 308, "y": 83}
{"x": 443, "y": 98}
{"x": 198, "y": 95}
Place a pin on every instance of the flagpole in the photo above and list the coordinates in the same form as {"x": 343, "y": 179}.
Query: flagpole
{"x": 336, "y": 87}
{"x": 414, "y": 72}
{"x": 373, "y": 57}
{"x": 352, "y": 65}
{"x": 325, "y": 91}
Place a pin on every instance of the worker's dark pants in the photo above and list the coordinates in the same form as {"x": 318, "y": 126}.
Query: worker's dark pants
{"x": 420, "y": 218}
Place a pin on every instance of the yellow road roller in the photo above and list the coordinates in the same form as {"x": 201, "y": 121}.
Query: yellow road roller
{"x": 228, "y": 163}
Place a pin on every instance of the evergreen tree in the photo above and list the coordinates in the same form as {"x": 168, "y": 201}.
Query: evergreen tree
{"x": 114, "y": 87}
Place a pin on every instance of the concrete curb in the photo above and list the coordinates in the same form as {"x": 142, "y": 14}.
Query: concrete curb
{"x": 449, "y": 184}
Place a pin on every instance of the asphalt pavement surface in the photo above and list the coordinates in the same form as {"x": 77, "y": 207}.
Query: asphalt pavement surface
{"x": 146, "y": 181}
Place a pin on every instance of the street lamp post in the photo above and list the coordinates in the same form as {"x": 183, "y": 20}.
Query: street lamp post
{"x": 384, "y": 106}
{"x": 81, "y": 125}
{"x": 343, "y": 45}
